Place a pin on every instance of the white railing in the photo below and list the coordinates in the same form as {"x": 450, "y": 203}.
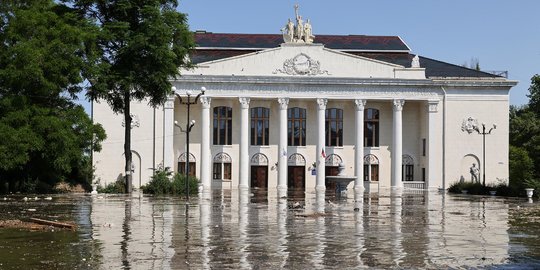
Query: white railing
{"x": 414, "y": 184}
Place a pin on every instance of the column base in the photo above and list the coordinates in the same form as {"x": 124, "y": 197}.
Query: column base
{"x": 320, "y": 188}
{"x": 359, "y": 188}
{"x": 243, "y": 187}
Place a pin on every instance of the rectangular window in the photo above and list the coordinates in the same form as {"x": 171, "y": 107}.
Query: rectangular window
{"x": 334, "y": 127}
{"x": 296, "y": 127}
{"x": 424, "y": 147}
{"x": 217, "y": 171}
{"x": 182, "y": 168}
{"x": 227, "y": 171}
{"x": 424, "y": 174}
{"x": 222, "y": 126}
{"x": 260, "y": 126}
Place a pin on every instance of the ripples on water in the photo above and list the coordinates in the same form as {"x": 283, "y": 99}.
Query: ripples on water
{"x": 265, "y": 230}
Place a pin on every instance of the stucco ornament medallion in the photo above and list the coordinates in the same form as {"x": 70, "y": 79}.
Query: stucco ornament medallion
{"x": 301, "y": 64}
{"x": 469, "y": 125}
{"x": 134, "y": 121}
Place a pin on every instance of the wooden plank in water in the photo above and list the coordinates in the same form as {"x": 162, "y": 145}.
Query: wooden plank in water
{"x": 52, "y": 223}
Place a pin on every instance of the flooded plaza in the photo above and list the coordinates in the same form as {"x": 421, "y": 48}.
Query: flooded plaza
{"x": 265, "y": 230}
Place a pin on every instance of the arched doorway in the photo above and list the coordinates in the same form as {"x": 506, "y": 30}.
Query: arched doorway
{"x": 182, "y": 159}
{"x": 407, "y": 169}
{"x": 259, "y": 171}
{"x": 331, "y": 169}
{"x": 296, "y": 172}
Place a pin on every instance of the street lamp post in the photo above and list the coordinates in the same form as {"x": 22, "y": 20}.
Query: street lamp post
{"x": 189, "y": 125}
{"x": 484, "y": 133}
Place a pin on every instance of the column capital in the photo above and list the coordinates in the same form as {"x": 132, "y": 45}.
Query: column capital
{"x": 398, "y": 104}
{"x": 283, "y": 103}
{"x": 322, "y": 103}
{"x": 205, "y": 102}
{"x": 433, "y": 106}
{"x": 244, "y": 102}
{"x": 360, "y": 104}
{"x": 169, "y": 103}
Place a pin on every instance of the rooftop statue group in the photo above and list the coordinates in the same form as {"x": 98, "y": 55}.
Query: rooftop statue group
{"x": 299, "y": 33}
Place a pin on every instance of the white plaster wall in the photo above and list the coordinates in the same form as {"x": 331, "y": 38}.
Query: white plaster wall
{"x": 489, "y": 109}
{"x": 109, "y": 163}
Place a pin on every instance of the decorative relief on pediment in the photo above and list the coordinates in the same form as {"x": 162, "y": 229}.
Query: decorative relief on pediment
{"x": 333, "y": 160}
{"x": 370, "y": 159}
{"x": 296, "y": 160}
{"x": 407, "y": 160}
{"x": 301, "y": 64}
{"x": 222, "y": 158}
{"x": 182, "y": 157}
{"x": 259, "y": 159}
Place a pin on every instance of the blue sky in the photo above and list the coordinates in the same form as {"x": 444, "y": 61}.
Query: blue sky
{"x": 502, "y": 35}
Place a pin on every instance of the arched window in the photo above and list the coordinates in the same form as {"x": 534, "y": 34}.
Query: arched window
{"x": 371, "y": 168}
{"x": 222, "y": 166}
{"x": 334, "y": 127}
{"x": 222, "y": 125}
{"x": 260, "y": 126}
{"x": 296, "y": 127}
{"x": 182, "y": 164}
{"x": 371, "y": 127}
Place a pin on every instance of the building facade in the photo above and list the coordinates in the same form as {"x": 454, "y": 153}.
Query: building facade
{"x": 285, "y": 110}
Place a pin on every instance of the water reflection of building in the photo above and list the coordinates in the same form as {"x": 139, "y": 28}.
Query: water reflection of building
{"x": 233, "y": 230}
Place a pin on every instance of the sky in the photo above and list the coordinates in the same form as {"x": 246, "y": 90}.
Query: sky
{"x": 502, "y": 35}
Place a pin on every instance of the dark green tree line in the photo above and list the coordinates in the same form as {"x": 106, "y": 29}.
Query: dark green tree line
{"x": 45, "y": 48}
{"x": 525, "y": 140}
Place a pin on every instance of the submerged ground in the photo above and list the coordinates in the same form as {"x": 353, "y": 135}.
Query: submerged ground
{"x": 265, "y": 230}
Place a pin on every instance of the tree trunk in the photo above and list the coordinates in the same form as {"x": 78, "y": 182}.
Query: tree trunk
{"x": 127, "y": 140}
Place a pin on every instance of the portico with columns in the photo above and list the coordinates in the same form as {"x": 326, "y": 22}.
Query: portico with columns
{"x": 284, "y": 113}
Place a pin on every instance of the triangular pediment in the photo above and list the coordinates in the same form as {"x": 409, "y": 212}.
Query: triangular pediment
{"x": 304, "y": 60}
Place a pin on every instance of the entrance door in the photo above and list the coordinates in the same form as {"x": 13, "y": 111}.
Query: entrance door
{"x": 330, "y": 171}
{"x": 259, "y": 176}
{"x": 297, "y": 177}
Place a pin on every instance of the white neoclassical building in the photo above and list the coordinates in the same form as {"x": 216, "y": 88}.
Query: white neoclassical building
{"x": 284, "y": 110}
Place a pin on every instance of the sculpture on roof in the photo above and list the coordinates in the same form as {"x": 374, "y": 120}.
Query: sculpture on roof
{"x": 299, "y": 33}
{"x": 415, "y": 62}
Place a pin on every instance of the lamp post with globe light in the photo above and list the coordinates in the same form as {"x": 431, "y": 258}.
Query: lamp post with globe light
{"x": 484, "y": 133}
{"x": 187, "y": 100}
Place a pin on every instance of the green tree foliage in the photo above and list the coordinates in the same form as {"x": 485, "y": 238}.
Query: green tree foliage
{"x": 521, "y": 168}
{"x": 141, "y": 45}
{"x": 525, "y": 140}
{"x": 45, "y": 136}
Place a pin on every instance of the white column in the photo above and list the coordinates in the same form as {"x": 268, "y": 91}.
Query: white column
{"x": 397, "y": 151}
{"x": 205, "y": 164}
{"x": 168, "y": 133}
{"x": 321, "y": 117}
{"x": 282, "y": 151}
{"x": 432, "y": 158}
{"x": 359, "y": 145}
{"x": 244, "y": 143}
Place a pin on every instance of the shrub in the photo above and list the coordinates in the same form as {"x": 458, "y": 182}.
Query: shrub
{"x": 179, "y": 184}
{"x": 118, "y": 186}
{"x": 161, "y": 183}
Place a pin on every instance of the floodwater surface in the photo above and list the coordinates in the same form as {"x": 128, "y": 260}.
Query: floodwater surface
{"x": 265, "y": 230}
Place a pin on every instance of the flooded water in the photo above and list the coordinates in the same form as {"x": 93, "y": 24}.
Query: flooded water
{"x": 267, "y": 230}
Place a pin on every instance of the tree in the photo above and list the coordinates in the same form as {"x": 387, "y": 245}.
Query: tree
{"x": 141, "y": 45}
{"x": 521, "y": 168}
{"x": 43, "y": 53}
{"x": 534, "y": 95}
